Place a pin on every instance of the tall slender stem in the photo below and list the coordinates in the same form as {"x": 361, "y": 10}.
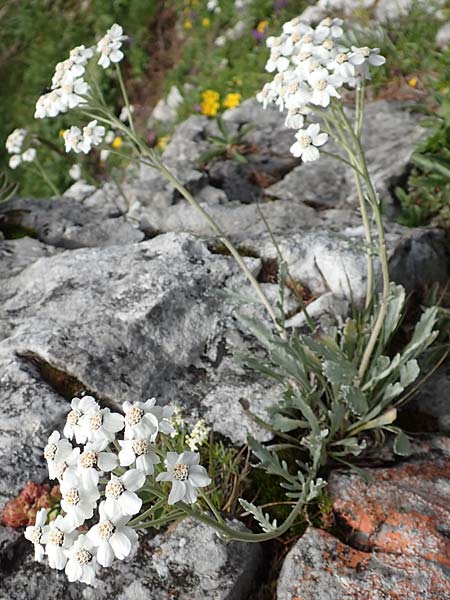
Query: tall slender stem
{"x": 125, "y": 97}
{"x": 221, "y": 235}
{"x": 46, "y": 178}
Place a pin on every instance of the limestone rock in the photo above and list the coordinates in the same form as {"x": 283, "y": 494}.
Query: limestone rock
{"x": 68, "y": 224}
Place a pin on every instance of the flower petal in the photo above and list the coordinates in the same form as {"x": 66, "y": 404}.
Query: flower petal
{"x": 105, "y": 554}
{"x": 198, "y": 476}
{"x": 177, "y": 492}
{"x": 130, "y": 503}
{"x": 120, "y": 544}
{"x": 133, "y": 479}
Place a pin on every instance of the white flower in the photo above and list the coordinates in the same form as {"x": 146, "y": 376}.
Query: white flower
{"x": 329, "y": 28}
{"x": 78, "y": 500}
{"x": 104, "y": 155}
{"x": 365, "y": 57}
{"x": 109, "y": 46}
{"x": 80, "y": 54}
{"x": 73, "y": 139}
{"x": 321, "y": 82}
{"x": 35, "y": 534}
{"x": 143, "y": 420}
{"x": 111, "y": 536}
{"x": 75, "y": 171}
{"x": 58, "y": 537}
{"x": 14, "y": 141}
{"x": 307, "y": 140}
{"x": 92, "y": 136}
{"x": 67, "y": 70}
{"x": 185, "y": 473}
{"x": 342, "y": 67}
{"x": 119, "y": 493}
{"x": 68, "y": 467}
{"x": 138, "y": 451}
{"x": 29, "y": 155}
{"x": 124, "y": 116}
{"x": 14, "y": 161}
{"x": 80, "y": 407}
{"x": 92, "y": 462}
{"x": 49, "y": 105}
{"x": 56, "y": 451}
{"x": 72, "y": 92}
{"x": 81, "y": 561}
{"x": 100, "y": 426}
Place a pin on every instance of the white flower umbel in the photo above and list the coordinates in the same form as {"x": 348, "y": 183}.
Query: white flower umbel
{"x": 109, "y": 46}
{"x": 111, "y": 536}
{"x": 78, "y": 500}
{"x": 56, "y": 451}
{"x": 139, "y": 452}
{"x": 49, "y": 105}
{"x": 14, "y": 141}
{"x": 307, "y": 141}
{"x": 73, "y": 427}
{"x": 81, "y": 561}
{"x": 119, "y": 493}
{"x": 14, "y": 161}
{"x": 185, "y": 473}
{"x": 93, "y": 135}
{"x": 80, "y": 54}
{"x": 73, "y": 139}
{"x": 29, "y": 155}
{"x": 100, "y": 426}
{"x": 36, "y": 534}
{"x": 59, "y": 536}
{"x": 72, "y": 92}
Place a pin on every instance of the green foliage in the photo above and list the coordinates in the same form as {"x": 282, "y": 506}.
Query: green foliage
{"x": 427, "y": 197}
{"x": 329, "y": 412}
{"x": 227, "y": 144}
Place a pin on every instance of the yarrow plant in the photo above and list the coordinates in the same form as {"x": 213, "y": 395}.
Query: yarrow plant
{"x": 341, "y": 390}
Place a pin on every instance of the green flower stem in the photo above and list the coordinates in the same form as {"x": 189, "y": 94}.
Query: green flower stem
{"x": 158, "y": 522}
{"x": 46, "y": 178}
{"x": 244, "y": 536}
{"x": 160, "y": 504}
{"x": 211, "y": 507}
{"x": 125, "y": 97}
{"x": 221, "y": 235}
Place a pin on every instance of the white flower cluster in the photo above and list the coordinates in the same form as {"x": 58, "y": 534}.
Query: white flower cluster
{"x": 99, "y": 477}
{"x": 14, "y": 145}
{"x": 68, "y": 86}
{"x": 198, "y": 435}
{"x": 312, "y": 66}
{"x": 68, "y": 89}
{"x": 82, "y": 141}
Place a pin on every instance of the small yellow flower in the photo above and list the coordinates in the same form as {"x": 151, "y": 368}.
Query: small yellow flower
{"x": 413, "y": 82}
{"x": 262, "y": 26}
{"x": 117, "y": 142}
{"x": 210, "y": 103}
{"x": 206, "y": 22}
{"x": 61, "y": 133}
{"x": 163, "y": 141}
{"x": 232, "y": 100}
{"x": 188, "y": 24}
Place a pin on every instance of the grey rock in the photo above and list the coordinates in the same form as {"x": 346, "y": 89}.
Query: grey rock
{"x": 443, "y": 36}
{"x": 189, "y": 562}
{"x": 133, "y": 321}
{"x": 326, "y": 310}
{"x": 420, "y": 258}
{"x": 433, "y": 400}
{"x": 68, "y": 224}
{"x": 29, "y": 411}
{"x": 323, "y": 8}
{"x": 233, "y": 179}
{"x": 17, "y": 254}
